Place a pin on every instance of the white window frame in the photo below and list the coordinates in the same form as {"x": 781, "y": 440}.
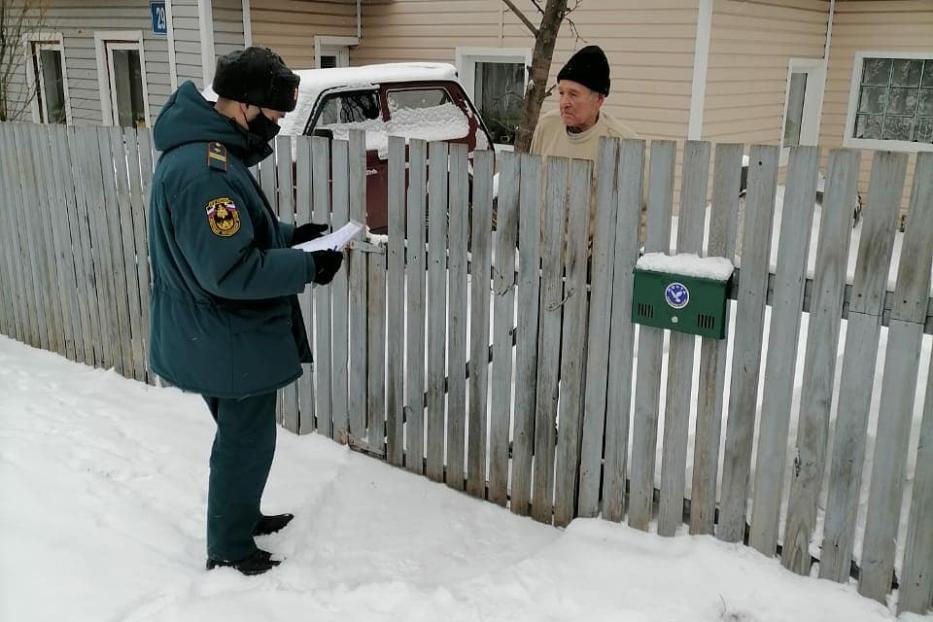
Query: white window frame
{"x": 119, "y": 40}
{"x": 815, "y": 68}
{"x": 337, "y": 46}
{"x": 856, "y": 81}
{"x": 467, "y": 57}
{"x": 51, "y": 41}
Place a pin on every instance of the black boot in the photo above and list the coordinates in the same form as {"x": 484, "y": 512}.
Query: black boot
{"x": 272, "y": 524}
{"x": 257, "y": 563}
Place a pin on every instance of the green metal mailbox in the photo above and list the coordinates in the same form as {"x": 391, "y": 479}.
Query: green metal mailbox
{"x": 689, "y": 301}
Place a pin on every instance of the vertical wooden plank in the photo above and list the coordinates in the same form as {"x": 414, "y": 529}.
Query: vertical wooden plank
{"x": 376, "y": 341}
{"x": 123, "y": 207}
{"x": 630, "y": 177}
{"x": 340, "y": 296}
{"x": 712, "y": 378}
{"x": 573, "y": 356}
{"x": 144, "y": 139}
{"x": 267, "y": 184}
{"x": 503, "y": 289}
{"x": 481, "y": 211}
{"x": 456, "y": 320}
{"x": 286, "y": 212}
{"x": 650, "y": 342}
{"x": 749, "y": 327}
{"x": 32, "y": 212}
{"x": 15, "y": 261}
{"x": 26, "y": 249}
{"x": 415, "y": 317}
{"x": 321, "y": 296}
{"x": 437, "y": 311}
{"x": 916, "y": 589}
{"x": 303, "y": 208}
{"x": 787, "y": 308}
{"x": 856, "y": 384}
{"x": 395, "y": 301}
{"x": 141, "y": 259}
{"x": 356, "y": 270}
{"x": 905, "y": 333}
{"x": 552, "y": 298}
{"x": 597, "y": 363}
{"x": 680, "y": 352}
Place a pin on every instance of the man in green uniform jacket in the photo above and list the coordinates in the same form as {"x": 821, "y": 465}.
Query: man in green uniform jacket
{"x": 225, "y": 319}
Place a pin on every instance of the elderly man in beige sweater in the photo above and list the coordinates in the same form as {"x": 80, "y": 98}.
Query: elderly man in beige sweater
{"x": 574, "y": 129}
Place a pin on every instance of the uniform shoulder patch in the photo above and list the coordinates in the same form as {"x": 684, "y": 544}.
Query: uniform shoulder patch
{"x": 217, "y": 156}
{"x": 223, "y": 218}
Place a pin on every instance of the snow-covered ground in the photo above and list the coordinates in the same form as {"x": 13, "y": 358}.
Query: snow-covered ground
{"x": 102, "y": 502}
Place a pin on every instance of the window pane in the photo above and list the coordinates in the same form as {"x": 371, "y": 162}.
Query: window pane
{"x": 417, "y": 98}
{"x": 54, "y": 83}
{"x": 128, "y": 84}
{"x": 876, "y": 71}
{"x": 924, "y": 130}
{"x": 928, "y": 72}
{"x": 868, "y": 126}
{"x": 897, "y": 128}
{"x": 925, "y": 109}
{"x": 872, "y": 100}
{"x": 795, "y": 99}
{"x": 354, "y": 107}
{"x": 499, "y": 89}
{"x": 906, "y": 72}
{"x": 328, "y": 61}
{"x": 901, "y": 101}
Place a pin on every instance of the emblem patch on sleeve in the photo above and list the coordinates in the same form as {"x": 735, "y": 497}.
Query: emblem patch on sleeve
{"x": 223, "y": 217}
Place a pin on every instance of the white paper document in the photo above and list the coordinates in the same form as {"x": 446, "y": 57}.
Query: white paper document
{"x": 335, "y": 241}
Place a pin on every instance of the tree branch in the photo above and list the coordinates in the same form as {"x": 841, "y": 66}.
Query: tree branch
{"x": 521, "y": 16}
{"x": 538, "y": 6}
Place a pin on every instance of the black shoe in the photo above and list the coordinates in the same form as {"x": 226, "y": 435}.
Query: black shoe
{"x": 272, "y": 524}
{"x": 257, "y": 563}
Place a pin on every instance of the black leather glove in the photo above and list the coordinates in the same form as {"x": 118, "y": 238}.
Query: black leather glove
{"x": 326, "y": 264}
{"x": 307, "y": 232}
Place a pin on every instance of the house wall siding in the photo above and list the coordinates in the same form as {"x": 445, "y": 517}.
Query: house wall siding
{"x": 185, "y": 23}
{"x": 289, "y": 26}
{"x": 228, "y": 26}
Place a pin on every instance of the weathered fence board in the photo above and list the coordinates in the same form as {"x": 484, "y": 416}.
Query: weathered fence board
{"x": 481, "y": 262}
{"x": 340, "y": 195}
{"x": 594, "y": 405}
{"x": 858, "y": 370}
{"x": 712, "y": 376}
{"x": 437, "y": 310}
{"x": 650, "y": 343}
{"x": 376, "y": 342}
{"x": 682, "y": 345}
{"x": 60, "y": 207}
{"x": 458, "y": 227}
{"x": 395, "y": 302}
{"x": 303, "y": 210}
{"x": 415, "y": 324}
{"x": 786, "y": 310}
{"x": 321, "y": 295}
{"x": 356, "y": 271}
{"x": 140, "y": 205}
{"x": 898, "y": 388}
{"x": 503, "y": 289}
{"x": 749, "y": 326}
{"x": 622, "y": 338}
{"x": 285, "y": 203}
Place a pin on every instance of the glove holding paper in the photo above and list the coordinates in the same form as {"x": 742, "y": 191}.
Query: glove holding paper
{"x": 326, "y": 264}
{"x": 335, "y": 241}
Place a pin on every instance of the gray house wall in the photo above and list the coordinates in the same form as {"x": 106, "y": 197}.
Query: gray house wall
{"x": 187, "y": 34}
{"x": 228, "y": 26}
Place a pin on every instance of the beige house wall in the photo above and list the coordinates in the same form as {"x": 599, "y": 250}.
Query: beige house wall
{"x": 289, "y": 26}
{"x": 750, "y": 46}
{"x": 870, "y": 26}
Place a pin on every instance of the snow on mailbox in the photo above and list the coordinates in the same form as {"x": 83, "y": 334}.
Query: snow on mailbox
{"x": 682, "y": 292}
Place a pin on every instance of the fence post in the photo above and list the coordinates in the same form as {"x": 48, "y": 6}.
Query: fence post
{"x": 458, "y": 204}
{"x": 395, "y": 300}
{"x": 415, "y": 319}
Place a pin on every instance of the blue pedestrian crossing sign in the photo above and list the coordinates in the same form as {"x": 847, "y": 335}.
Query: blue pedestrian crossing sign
{"x": 159, "y": 23}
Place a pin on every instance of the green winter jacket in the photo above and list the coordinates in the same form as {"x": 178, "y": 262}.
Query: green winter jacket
{"x": 225, "y": 320}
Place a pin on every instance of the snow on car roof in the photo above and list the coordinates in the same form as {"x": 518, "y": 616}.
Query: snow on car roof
{"x": 314, "y": 81}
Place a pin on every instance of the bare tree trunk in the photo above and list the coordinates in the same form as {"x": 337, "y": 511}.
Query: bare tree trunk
{"x": 545, "y": 39}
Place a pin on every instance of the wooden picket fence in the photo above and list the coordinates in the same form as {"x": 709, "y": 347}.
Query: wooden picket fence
{"x": 502, "y": 359}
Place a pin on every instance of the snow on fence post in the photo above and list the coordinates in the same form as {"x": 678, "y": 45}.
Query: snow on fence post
{"x": 395, "y": 301}
{"x": 692, "y": 215}
{"x": 749, "y": 327}
{"x": 437, "y": 310}
{"x": 458, "y": 225}
{"x": 787, "y": 308}
{"x": 503, "y": 290}
{"x": 905, "y": 334}
{"x": 650, "y": 342}
{"x": 594, "y": 405}
{"x": 630, "y": 177}
{"x": 340, "y": 215}
{"x": 856, "y": 384}
{"x": 303, "y": 209}
{"x": 712, "y": 377}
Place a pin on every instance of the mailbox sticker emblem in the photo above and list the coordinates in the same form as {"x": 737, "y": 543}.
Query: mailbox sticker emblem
{"x": 677, "y": 295}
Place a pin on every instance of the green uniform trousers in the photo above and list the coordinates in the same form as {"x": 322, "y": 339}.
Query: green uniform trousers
{"x": 240, "y": 461}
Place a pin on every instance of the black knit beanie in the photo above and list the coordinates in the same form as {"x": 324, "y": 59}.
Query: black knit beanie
{"x": 589, "y": 67}
{"x": 257, "y": 76}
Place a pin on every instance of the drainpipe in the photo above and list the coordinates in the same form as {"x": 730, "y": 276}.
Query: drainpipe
{"x": 826, "y": 50}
